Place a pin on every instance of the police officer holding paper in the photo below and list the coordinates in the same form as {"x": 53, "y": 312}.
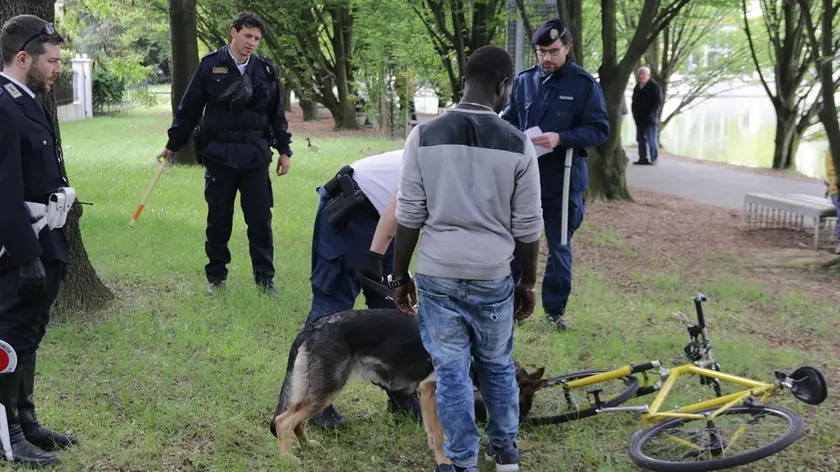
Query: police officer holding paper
{"x": 240, "y": 95}
{"x": 568, "y": 106}
{"x": 34, "y": 200}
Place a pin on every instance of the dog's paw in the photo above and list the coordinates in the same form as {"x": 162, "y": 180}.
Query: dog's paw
{"x": 311, "y": 444}
{"x": 291, "y": 459}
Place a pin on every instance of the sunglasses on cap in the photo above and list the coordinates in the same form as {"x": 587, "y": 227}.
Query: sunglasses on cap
{"x": 47, "y": 30}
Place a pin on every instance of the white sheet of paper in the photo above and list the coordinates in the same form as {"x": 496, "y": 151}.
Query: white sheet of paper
{"x": 536, "y": 131}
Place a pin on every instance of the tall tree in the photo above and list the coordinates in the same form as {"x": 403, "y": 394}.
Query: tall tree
{"x": 184, "y": 38}
{"x": 321, "y": 58}
{"x": 825, "y": 52}
{"x": 790, "y": 60}
{"x": 457, "y": 28}
{"x": 82, "y": 289}
{"x": 608, "y": 162}
{"x": 685, "y": 36}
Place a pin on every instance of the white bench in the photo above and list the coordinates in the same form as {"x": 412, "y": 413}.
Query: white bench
{"x": 788, "y": 210}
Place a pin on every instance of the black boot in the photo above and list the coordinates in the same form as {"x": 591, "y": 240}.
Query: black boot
{"x": 266, "y": 284}
{"x": 35, "y": 433}
{"x": 329, "y": 418}
{"x": 23, "y": 451}
{"x": 404, "y": 403}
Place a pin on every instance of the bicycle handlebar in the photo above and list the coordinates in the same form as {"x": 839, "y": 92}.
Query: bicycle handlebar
{"x": 698, "y": 301}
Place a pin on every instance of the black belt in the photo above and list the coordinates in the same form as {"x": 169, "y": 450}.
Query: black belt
{"x": 365, "y": 208}
{"x": 237, "y": 136}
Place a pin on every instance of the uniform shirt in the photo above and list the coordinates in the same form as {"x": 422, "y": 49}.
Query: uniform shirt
{"x": 470, "y": 181}
{"x": 262, "y": 118}
{"x": 19, "y": 85}
{"x": 240, "y": 66}
{"x": 30, "y": 171}
{"x": 378, "y": 176}
{"x": 568, "y": 102}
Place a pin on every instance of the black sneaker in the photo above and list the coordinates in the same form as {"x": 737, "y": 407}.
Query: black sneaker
{"x": 267, "y": 286}
{"x": 506, "y": 459}
{"x": 329, "y": 418}
{"x": 557, "y": 322}
{"x": 216, "y": 286}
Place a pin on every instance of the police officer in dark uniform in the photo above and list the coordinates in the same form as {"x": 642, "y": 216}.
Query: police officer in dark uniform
{"x": 568, "y": 106}
{"x": 242, "y": 101}
{"x": 32, "y": 262}
{"x": 354, "y": 227}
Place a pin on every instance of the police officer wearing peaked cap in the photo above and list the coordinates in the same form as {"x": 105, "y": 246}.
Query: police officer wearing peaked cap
{"x": 568, "y": 105}
{"x": 242, "y": 101}
{"x": 33, "y": 256}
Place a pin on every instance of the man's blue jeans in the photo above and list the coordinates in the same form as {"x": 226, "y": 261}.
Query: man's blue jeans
{"x": 647, "y": 137}
{"x": 460, "y": 319}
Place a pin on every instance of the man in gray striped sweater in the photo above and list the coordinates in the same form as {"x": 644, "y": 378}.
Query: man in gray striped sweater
{"x": 470, "y": 181}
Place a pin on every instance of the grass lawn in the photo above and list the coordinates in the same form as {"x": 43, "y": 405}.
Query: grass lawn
{"x": 167, "y": 378}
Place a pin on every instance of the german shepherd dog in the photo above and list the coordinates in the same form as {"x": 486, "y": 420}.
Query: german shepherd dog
{"x": 379, "y": 345}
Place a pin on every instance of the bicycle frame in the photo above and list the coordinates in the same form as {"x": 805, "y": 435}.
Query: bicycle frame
{"x": 755, "y": 389}
{"x": 700, "y": 349}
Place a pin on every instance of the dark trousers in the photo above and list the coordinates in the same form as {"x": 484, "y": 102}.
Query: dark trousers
{"x": 336, "y": 256}
{"x": 647, "y": 136}
{"x": 221, "y": 184}
{"x": 557, "y": 279}
{"x": 23, "y": 323}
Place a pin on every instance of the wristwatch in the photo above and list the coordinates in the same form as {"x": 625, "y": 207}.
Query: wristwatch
{"x": 394, "y": 283}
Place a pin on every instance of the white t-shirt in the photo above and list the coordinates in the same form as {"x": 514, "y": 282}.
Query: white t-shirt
{"x": 379, "y": 176}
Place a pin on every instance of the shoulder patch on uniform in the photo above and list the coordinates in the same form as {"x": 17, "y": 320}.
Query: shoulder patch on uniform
{"x": 209, "y": 54}
{"x": 528, "y": 69}
{"x": 13, "y": 90}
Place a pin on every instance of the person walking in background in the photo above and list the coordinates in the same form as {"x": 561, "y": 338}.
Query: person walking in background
{"x": 647, "y": 101}
{"x": 833, "y": 194}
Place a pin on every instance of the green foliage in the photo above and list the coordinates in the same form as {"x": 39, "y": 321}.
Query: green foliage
{"x": 132, "y": 36}
{"x": 108, "y": 89}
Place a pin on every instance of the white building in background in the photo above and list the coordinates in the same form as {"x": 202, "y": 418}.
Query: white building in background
{"x": 75, "y": 100}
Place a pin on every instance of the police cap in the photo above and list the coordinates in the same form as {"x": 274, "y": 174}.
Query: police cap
{"x": 549, "y": 32}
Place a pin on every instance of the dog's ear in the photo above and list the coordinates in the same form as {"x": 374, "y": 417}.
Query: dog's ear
{"x": 536, "y": 375}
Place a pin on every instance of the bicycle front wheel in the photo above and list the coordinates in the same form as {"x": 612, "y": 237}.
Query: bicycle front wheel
{"x": 559, "y": 403}
{"x": 740, "y": 435}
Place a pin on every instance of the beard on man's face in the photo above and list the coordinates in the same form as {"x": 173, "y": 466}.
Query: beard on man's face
{"x": 36, "y": 80}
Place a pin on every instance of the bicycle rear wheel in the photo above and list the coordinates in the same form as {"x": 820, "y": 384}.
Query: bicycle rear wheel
{"x": 559, "y": 404}
{"x": 742, "y": 434}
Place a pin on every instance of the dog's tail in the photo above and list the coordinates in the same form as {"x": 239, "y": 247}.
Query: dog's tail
{"x": 285, "y": 390}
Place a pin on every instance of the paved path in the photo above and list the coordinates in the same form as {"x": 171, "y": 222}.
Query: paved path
{"x": 717, "y": 185}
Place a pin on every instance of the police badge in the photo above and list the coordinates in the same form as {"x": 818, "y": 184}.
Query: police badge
{"x": 554, "y": 33}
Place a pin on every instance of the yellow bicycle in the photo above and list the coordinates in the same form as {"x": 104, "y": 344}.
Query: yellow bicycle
{"x": 729, "y": 430}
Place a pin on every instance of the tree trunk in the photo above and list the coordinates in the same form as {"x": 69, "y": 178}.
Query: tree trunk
{"x": 310, "y": 110}
{"x": 786, "y": 140}
{"x": 82, "y": 289}
{"x": 571, "y": 13}
{"x": 608, "y": 162}
{"x": 287, "y": 96}
{"x": 184, "y": 39}
{"x": 827, "y": 49}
